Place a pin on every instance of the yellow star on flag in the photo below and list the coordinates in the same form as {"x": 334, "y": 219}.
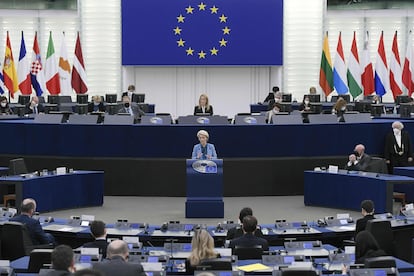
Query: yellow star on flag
{"x": 223, "y": 18}
{"x": 189, "y": 51}
{"x": 189, "y": 9}
{"x": 226, "y": 30}
{"x": 202, "y": 6}
{"x": 214, "y": 51}
{"x": 214, "y": 9}
{"x": 177, "y": 31}
{"x": 180, "y": 42}
{"x": 180, "y": 18}
{"x": 201, "y": 54}
{"x": 223, "y": 43}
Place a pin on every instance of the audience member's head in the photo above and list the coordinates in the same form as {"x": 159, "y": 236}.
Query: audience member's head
{"x": 278, "y": 97}
{"x": 117, "y": 248}
{"x": 306, "y": 100}
{"x": 28, "y": 206}
{"x": 312, "y": 90}
{"x": 367, "y": 207}
{"x": 359, "y": 150}
{"x": 131, "y": 88}
{"x": 62, "y": 258}
{"x": 203, "y": 137}
{"x": 203, "y": 101}
{"x": 126, "y": 100}
{"x": 34, "y": 100}
{"x": 246, "y": 211}
{"x": 202, "y": 245}
{"x": 397, "y": 126}
{"x": 3, "y": 101}
{"x": 276, "y": 107}
{"x": 275, "y": 89}
{"x": 98, "y": 229}
{"x": 364, "y": 242}
{"x": 249, "y": 224}
{"x": 88, "y": 272}
{"x": 97, "y": 99}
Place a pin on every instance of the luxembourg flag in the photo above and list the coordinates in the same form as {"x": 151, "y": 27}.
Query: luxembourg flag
{"x": 408, "y": 72}
{"x": 339, "y": 71}
{"x": 381, "y": 69}
{"x": 395, "y": 69}
{"x": 38, "y": 79}
{"x": 23, "y": 70}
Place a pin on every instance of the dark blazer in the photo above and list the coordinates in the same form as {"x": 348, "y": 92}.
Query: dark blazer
{"x": 189, "y": 269}
{"x": 117, "y": 266}
{"x": 362, "y": 223}
{"x": 36, "y": 232}
{"x": 58, "y": 273}
{"x": 102, "y": 244}
{"x": 303, "y": 107}
{"x": 30, "y": 110}
{"x": 269, "y": 97}
{"x": 126, "y": 94}
{"x": 100, "y": 107}
{"x": 199, "y": 110}
{"x": 237, "y": 232}
{"x": 135, "y": 109}
{"x": 249, "y": 240}
{"x": 370, "y": 254}
{"x": 362, "y": 164}
{"x": 391, "y": 147}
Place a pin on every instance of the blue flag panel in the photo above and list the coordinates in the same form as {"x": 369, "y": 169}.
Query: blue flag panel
{"x": 209, "y": 32}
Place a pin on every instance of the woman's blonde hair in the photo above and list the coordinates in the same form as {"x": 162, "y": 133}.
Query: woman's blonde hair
{"x": 339, "y": 104}
{"x": 202, "y": 247}
{"x": 207, "y": 103}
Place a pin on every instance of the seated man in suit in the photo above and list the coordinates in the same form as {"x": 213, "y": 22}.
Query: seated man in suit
{"x": 62, "y": 261}
{"x": 367, "y": 211}
{"x": 33, "y": 106}
{"x": 249, "y": 239}
{"x": 133, "y": 110}
{"x": 37, "y": 235}
{"x": 96, "y": 105}
{"x": 117, "y": 264}
{"x": 98, "y": 231}
{"x": 359, "y": 160}
{"x": 238, "y": 231}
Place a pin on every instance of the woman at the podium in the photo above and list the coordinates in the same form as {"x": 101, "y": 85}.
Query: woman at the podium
{"x": 204, "y": 150}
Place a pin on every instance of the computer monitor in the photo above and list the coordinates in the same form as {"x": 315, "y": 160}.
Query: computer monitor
{"x": 17, "y": 166}
{"x": 402, "y": 99}
{"x": 287, "y": 98}
{"x": 313, "y": 98}
{"x": 377, "y": 110}
{"x": 285, "y": 107}
{"x": 111, "y": 98}
{"x": 346, "y": 97}
{"x": 138, "y": 98}
{"x": 24, "y": 99}
{"x": 65, "y": 99}
{"x": 112, "y": 108}
{"x": 50, "y": 107}
{"x": 82, "y": 98}
{"x": 405, "y": 110}
{"x": 53, "y": 99}
{"x": 81, "y": 109}
{"x": 363, "y": 106}
{"x": 315, "y": 108}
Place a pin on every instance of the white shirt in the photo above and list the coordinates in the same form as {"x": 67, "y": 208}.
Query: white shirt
{"x": 398, "y": 139}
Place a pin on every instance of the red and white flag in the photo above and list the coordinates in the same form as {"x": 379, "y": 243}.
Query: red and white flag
{"x": 367, "y": 77}
{"x": 408, "y": 72}
{"x": 395, "y": 69}
{"x": 64, "y": 70}
{"x": 78, "y": 70}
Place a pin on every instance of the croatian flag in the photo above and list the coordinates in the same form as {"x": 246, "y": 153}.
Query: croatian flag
{"x": 36, "y": 70}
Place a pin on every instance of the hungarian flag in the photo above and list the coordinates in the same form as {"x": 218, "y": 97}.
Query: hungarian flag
{"x": 367, "y": 77}
{"x": 64, "y": 70}
{"x": 23, "y": 70}
{"x": 78, "y": 70}
{"x": 9, "y": 70}
{"x": 408, "y": 72}
{"x": 51, "y": 69}
{"x": 382, "y": 83}
{"x": 325, "y": 73}
{"x": 354, "y": 71}
{"x": 339, "y": 71}
{"x": 395, "y": 69}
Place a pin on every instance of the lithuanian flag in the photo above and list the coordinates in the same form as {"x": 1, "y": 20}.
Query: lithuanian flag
{"x": 325, "y": 74}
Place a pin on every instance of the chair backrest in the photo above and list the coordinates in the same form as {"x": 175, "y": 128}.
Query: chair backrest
{"x": 24, "y": 99}
{"x": 248, "y": 252}
{"x": 48, "y": 118}
{"x": 380, "y": 262}
{"x": 17, "y": 166}
{"x": 138, "y": 98}
{"x": 377, "y": 165}
{"x": 216, "y": 264}
{"x": 118, "y": 120}
{"x": 65, "y": 99}
{"x": 111, "y": 98}
{"x": 40, "y": 258}
{"x": 15, "y": 239}
{"x": 77, "y": 119}
{"x": 82, "y": 98}
{"x": 382, "y": 232}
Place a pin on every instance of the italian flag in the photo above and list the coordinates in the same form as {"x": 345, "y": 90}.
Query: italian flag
{"x": 51, "y": 69}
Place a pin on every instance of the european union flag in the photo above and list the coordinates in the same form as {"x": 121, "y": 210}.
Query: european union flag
{"x": 202, "y": 32}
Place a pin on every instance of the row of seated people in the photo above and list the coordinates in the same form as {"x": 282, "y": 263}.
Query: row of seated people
{"x": 246, "y": 242}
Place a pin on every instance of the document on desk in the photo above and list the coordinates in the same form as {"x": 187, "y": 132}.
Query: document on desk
{"x": 254, "y": 267}
{"x": 122, "y": 232}
{"x": 64, "y": 228}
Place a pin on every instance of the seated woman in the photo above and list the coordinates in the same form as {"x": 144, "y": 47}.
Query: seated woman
{"x": 4, "y": 106}
{"x": 203, "y": 150}
{"x": 339, "y": 107}
{"x": 202, "y": 248}
{"x": 305, "y": 105}
{"x": 366, "y": 246}
{"x": 203, "y": 106}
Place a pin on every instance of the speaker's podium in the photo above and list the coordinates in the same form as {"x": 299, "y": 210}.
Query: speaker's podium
{"x": 204, "y": 189}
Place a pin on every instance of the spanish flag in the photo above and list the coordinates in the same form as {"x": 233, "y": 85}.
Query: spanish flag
{"x": 9, "y": 70}
{"x": 325, "y": 74}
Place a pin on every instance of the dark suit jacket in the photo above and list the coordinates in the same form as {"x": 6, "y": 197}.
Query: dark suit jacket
{"x": 269, "y": 97}
{"x": 391, "y": 145}
{"x": 362, "y": 164}
{"x": 102, "y": 244}
{"x": 58, "y": 273}
{"x": 198, "y": 110}
{"x": 91, "y": 107}
{"x": 370, "y": 254}
{"x": 237, "y": 232}
{"x": 249, "y": 240}
{"x": 36, "y": 232}
{"x": 40, "y": 109}
{"x": 362, "y": 223}
{"x": 116, "y": 266}
{"x": 135, "y": 109}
